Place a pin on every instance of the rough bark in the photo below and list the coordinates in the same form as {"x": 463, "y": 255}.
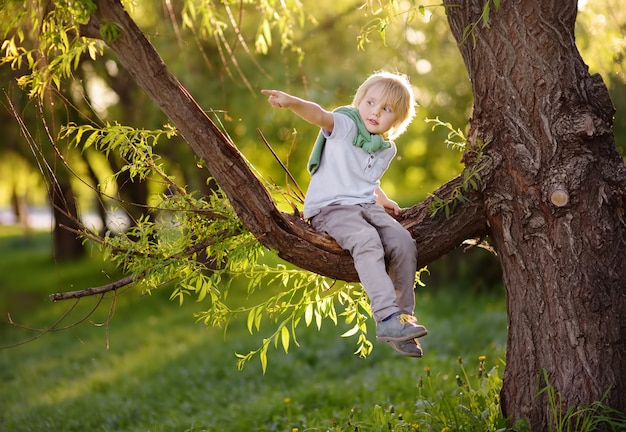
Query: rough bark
{"x": 555, "y": 203}
{"x": 288, "y": 234}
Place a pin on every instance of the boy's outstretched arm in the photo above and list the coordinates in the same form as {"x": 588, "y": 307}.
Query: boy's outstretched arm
{"x": 307, "y": 110}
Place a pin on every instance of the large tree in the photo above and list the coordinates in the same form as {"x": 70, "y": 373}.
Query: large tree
{"x": 554, "y": 200}
{"x": 542, "y": 178}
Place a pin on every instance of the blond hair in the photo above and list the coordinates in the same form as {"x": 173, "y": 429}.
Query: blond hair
{"x": 398, "y": 94}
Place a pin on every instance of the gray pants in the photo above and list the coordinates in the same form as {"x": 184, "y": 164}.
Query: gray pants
{"x": 384, "y": 253}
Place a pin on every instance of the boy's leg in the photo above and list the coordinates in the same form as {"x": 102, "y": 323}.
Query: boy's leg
{"x": 346, "y": 224}
{"x": 400, "y": 254}
{"x": 351, "y": 230}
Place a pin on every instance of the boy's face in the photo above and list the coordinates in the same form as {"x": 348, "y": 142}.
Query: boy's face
{"x": 378, "y": 116}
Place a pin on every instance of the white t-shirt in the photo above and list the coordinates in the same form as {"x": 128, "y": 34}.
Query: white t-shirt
{"x": 347, "y": 174}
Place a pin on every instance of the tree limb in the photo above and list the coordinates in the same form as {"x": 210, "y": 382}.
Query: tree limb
{"x": 289, "y": 235}
{"x": 93, "y": 291}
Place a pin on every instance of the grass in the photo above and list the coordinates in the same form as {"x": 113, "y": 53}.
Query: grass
{"x": 153, "y": 368}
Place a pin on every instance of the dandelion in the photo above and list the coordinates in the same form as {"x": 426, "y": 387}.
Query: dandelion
{"x": 415, "y": 426}
{"x": 287, "y": 402}
{"x": 427, "y": 370}
{"x": 481, "y": 366}
{"x": 295, "y": 429}
{"x": 460, "y": 360}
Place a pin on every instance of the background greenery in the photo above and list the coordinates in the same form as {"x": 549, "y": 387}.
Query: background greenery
{"x": 148, "y": 367}
{"x": 324, "y": 60}
{"x": 141, "y": 362}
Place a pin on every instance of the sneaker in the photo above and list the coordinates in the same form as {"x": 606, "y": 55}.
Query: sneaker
{"x": 409, "y": 348}
{"x": 399, "y": 327}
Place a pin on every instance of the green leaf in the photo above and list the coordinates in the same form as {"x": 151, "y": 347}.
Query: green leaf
{"x": 201, "y": 289}
{"x": 65, "y": 41}
{"x": 110, "y": 31}
{"x": 251, "y": 316}
{"x": 284, "y": 335}
{"x": 332, "y": 313}
{"x": 354, "y": 330}
{"x": 78, "y": 137}
{"x": 92, "y": 52}
{"x": 308, "y": 314}
{"x": 294, "y": 324}
{"x": 486, "y": 9}
{"x": 257, "y": 318}
{"x": 267, "y": 32}
{"x": 263, "y": 355}
{"x": 466, "y": 31}
{"x": 318, "y": 318}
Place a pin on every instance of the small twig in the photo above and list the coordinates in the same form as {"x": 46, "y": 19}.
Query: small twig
{"x": 53, "y": 327}
{"x": 93, "y": 291}
{"x": 267, "y": 144}
{"x": 130, "y": 279}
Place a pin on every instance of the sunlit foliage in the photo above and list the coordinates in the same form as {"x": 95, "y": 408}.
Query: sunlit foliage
{"x": 225, "y": 53}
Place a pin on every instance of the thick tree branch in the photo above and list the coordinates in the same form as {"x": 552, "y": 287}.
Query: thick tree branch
{"x": 437, "y": 236}
{"x": 288, "y": 234}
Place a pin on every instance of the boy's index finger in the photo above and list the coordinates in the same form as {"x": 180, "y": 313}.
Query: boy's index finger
{"x": 274, "y": 96}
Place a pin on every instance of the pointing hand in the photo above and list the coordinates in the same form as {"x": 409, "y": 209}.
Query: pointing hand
{"x": 277, "y": 98}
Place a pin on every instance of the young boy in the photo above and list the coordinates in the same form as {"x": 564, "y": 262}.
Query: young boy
{"x": 344, "y": 198}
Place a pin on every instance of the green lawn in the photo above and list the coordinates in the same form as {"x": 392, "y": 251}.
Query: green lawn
{"x": 153, "y": 368}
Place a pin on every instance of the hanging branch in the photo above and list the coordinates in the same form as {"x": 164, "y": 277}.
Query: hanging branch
{"x": 96, "y": 290}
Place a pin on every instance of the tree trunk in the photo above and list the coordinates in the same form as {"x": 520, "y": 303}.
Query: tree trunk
{"x": 20, "y": 209}
{"x": 555, "y": 199}
{"x": 67, "y": 245}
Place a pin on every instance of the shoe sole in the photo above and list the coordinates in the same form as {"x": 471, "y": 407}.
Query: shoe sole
{"x": 403, "y": 338}
{"x": 405, "y": 353}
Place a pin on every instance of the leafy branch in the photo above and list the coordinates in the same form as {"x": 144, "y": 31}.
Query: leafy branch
{"x": 307, "y": 297}
{"x": 471, "y": 174}
{"x": 58, "y": 50}
{"x": 385, "y": 14}
{"x": 483, "y": 20}
{"x": 155, "y": 252}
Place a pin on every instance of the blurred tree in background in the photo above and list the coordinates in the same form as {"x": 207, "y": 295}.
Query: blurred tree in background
{"x": 195, "y": 46}
{"x": 313, "y": 65}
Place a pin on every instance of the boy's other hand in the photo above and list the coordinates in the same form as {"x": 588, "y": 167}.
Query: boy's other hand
{"x": 388, "y": 205}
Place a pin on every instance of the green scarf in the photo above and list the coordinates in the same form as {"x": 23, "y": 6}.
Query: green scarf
{"x": 369, "y": 142}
